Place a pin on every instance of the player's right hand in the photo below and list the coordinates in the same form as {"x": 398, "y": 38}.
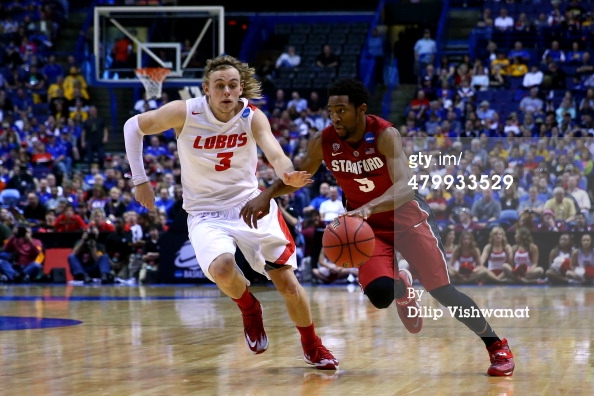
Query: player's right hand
{"x": 145, "y": 195}
{"x": 255, "y": 209}
{"x": 363, "y": 212}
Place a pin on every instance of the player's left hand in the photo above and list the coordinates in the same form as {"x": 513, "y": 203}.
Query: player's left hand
{"x": 363, "y": 212}
{"x": 297, "y": 178}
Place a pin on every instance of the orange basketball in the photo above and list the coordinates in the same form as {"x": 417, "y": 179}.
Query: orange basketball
{"x": 348, "y": 241}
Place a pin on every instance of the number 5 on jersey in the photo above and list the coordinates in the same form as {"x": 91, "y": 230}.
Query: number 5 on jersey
{"x": 366, "y": 184}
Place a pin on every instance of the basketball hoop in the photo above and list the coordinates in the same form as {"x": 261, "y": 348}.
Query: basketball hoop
{"x": 152, "y": 78}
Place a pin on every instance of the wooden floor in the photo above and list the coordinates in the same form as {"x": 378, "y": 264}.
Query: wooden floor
{"x": 188, "y": 340}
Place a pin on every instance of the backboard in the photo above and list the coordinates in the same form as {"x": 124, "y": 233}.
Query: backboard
{"x": 177, "y": 38}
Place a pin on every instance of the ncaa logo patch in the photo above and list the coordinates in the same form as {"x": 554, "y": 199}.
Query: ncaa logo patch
{"x": 369, "y": 137}
{"x": 246, "y": 112}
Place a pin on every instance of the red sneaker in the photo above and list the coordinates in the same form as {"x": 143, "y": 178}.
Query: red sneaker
{"x": 253, "y": 329}
{"x": 413, "y": 324}
{"x": 317, "y": 355}
{"x": 502, "y": 359}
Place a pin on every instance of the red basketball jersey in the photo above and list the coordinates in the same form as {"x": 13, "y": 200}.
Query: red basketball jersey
{"x": 362, "y": 173}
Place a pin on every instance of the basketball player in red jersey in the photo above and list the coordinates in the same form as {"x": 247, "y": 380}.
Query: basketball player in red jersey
{"x": 364, "y": 153}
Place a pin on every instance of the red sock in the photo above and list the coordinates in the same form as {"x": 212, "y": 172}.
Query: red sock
{"x": 308, "y": 334}
{"x": 246, "y": 301}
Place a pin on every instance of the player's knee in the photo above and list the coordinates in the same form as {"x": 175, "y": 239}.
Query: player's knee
{"x": 222, "y": 269}
{"x": 380, "y": 292}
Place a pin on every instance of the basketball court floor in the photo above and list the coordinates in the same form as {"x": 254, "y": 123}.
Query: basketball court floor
{"x": 188, "y": 340}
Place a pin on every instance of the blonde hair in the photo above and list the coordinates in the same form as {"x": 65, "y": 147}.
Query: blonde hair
{"x": 252, "y": 88}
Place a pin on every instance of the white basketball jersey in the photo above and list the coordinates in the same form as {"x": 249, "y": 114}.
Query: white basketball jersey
{"x": 218, "y": 159}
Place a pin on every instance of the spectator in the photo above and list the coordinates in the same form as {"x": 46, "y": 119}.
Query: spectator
{"x": 581, "y": 196}
{"x": 327, "y": 59}
{"x": 323, "y": 193}
{"x": 562, "y": 206}
{"x": 532, "y": 104}
{"x": 74, "y": 80}
{"x": 580, "y": 224}
{"x": 376, "y": 48}
{"x": 533, "y": 78}
{"x": 438, "y": 204}
{"x": 121, "y": 53}
{"x": 517, "y": 68}
{"x": 531, "y": 202}
{"x": 553, "y": 54}
{"x": 47, "y": 225}
{"x": 480, "y": 80}
{"x": 296, "y": 104}
{"x": 68, "y": 221}
{"x": 34, "y": 211}
{"x": 554, "y": 77}
{"x": 328, "y": 272}
{"x": 560, "y": 260}
{"x": 288, "y": 59}
{"x": 28, "y": 254}
{"x": 565, "y": 107}
{"x": 503, "y": 22}
{"x": 425, "y": 50}
{"x": 486, "y": 209}
{"x": 484, "y": 112}
{"x": 164, "y": 202}
{"x": 97, "y": 219}
{"x": 576, "y": 55}
{"x": 510, "y": 198}
{"x": 465, "y": 266}
{"x": 519, "y": 51}
{"x": 118, "y": 246}
{"x": 52, "y": 70}
{"x": 524, "y": 259}
{"x": 21, "y": 180}
{"x": 497, "y": 78}
{"x": 97, "y": 199}
{"x": 88, "y": 258}
{"x": 144, "y": 104}
{"x": 549, "y": 224}
{"x": 94, "y": 136}
{"x": 495, "y": 254}
{"x": 151, "y": 255}
{"x": 332, "y": 207}
{"x": 178, "y": 202}
{"x": 420, "y": 105}
{"x": 466, "y": 222}
{"x": 582, "y": 261}
{"x": 456, "y": 204}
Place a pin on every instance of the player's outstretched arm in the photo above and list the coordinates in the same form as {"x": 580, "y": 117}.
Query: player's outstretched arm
{"x": 283, "y": 166}
{"x": 390, "y": 145}
{"x": 171, "y": 115}
{"x": 258, "y": 207}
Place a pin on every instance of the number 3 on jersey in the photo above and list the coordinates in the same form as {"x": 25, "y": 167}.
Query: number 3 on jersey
{"x": 366, "y": 184}
{"x": 225, "y": 162}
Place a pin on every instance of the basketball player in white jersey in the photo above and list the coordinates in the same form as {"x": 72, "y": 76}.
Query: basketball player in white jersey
{"x": 217, "y": 139}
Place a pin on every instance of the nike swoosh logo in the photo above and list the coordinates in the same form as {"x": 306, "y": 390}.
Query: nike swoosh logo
{"x": 252, "y": 343}
{"x": 415, "y": 226}
{"x": 334, "y": 154}
{"x": 196, "y": 113}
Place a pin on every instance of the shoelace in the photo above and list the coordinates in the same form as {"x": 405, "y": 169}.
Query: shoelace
{"x": 322, "y": 353}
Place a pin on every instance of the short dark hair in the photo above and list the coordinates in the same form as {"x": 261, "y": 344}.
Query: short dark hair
{"x": 351, "y": 87}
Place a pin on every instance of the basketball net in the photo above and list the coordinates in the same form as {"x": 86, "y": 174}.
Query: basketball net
{"x": 152, "y": 78}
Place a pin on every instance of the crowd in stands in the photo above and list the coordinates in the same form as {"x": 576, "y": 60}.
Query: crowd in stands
{"x": 521, "y": 104}
{"x": 544, "y": 144}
